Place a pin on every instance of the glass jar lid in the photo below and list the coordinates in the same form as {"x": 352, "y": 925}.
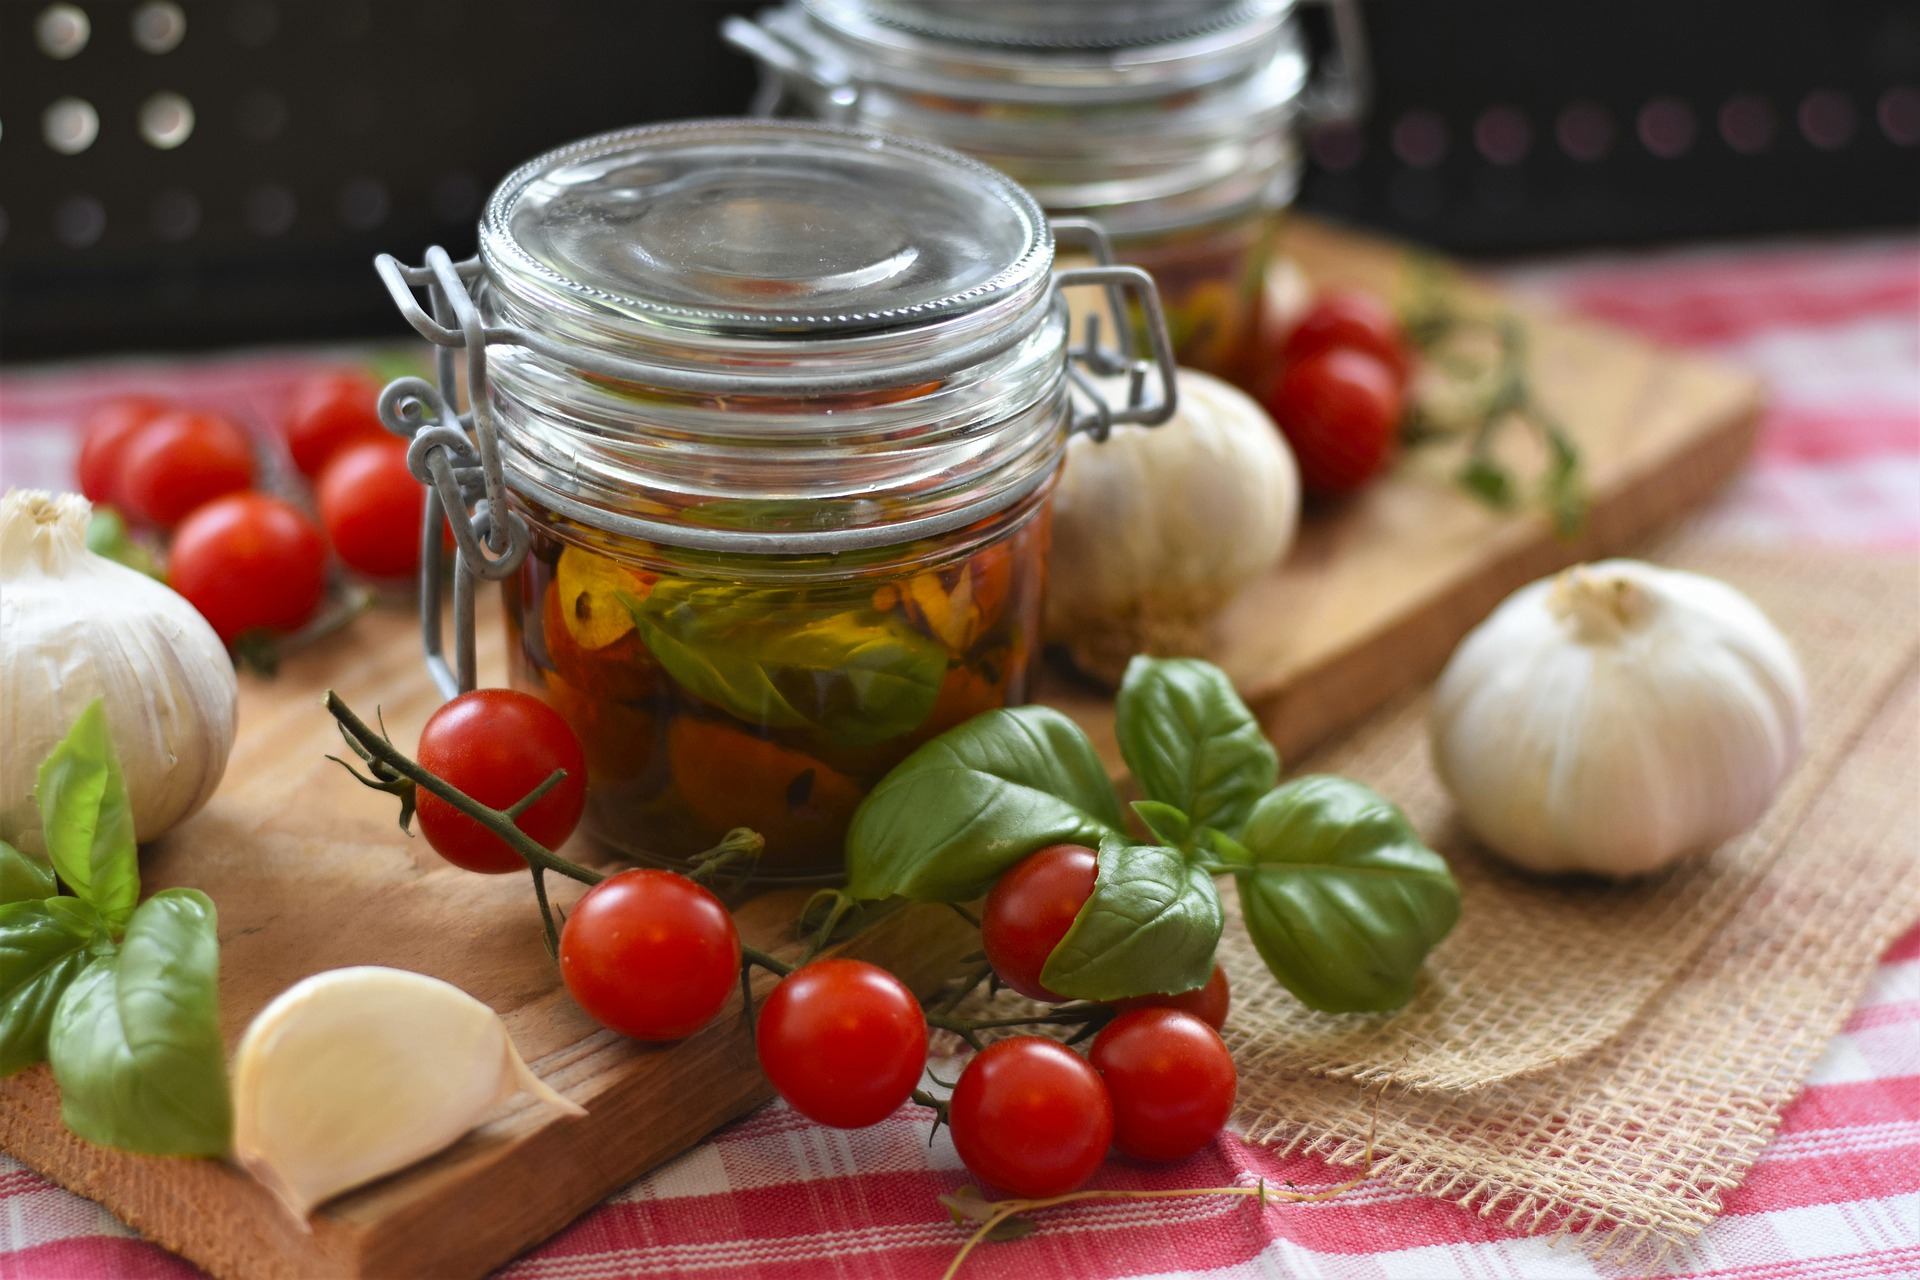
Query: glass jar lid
{"x": 755, "y": 228}
{"x": 1058, "y": 24}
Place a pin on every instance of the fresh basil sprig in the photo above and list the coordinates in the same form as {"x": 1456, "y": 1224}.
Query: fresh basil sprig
{"x": 1341, "y": 898}
{"x": 130, "y": 1025}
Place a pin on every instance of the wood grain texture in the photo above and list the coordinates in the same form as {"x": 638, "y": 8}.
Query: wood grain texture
{"x": 310, "y": 873}
{"x": 1380, "y": 587}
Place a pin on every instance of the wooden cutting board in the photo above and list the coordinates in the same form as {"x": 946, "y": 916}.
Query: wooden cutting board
{"x": 310, "y": 872}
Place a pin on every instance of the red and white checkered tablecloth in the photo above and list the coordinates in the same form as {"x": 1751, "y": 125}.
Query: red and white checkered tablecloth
{"x": 1835, "y": 327}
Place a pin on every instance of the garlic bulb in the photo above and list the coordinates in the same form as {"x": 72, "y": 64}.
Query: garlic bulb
{"x": 1617, "y": 717}
{"x": 1156, "y": 529}
{"x": 75, "y": 626}
{"x": 355, "y": 1073}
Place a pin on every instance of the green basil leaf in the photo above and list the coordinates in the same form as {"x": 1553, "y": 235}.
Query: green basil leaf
{"x": 1341, "y": 898}
{"x": 1169, "y": 826}
{"x": 857, "y": 676}
{"x": 23, "y": 877}
{"x": 43, "y": 947}
{"x": 87, "y": 820}
{"x": 1151, "y": 925}
{"x": 107, "y": 536}
{"x": 1191, "y": 742}
{"x": 135, "y": 1043}
{"x": 975, "y": 800}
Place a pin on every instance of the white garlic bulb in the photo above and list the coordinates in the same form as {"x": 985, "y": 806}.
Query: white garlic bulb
{"x": 1156, "y": 529}
{"x": 1617, "y": 717}
{"x": 75, "y": 626}
{"x": 356, "y": 1073}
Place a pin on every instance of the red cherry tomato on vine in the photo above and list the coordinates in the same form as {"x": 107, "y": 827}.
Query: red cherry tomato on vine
{"x": 108, "y": 429}
{"x": 1031, "y": 1117}
{"x": 329, "y": 412}
{"x": 1171, "y": 1080}
{"x": 1030, "y": 908}
{"x": 497, "y": 745}
{"x": 1208, "y": 1003}
{"x": 1340, "y": 410}
{"x": 650, "y": 954}
{"x": 1350, "y": 318}
{"x": 179, "y": 462}
{"x": 372, "y": 508}
{"x": 843, "y": 1041}
{"x": 249, "y": 562}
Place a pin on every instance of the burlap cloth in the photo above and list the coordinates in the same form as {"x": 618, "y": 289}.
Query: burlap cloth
{"x": 1611, "y": 1059}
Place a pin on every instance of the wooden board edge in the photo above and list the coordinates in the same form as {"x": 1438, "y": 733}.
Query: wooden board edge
{"x": 1321, "y": 700}
{"x": 217, "y": 1217}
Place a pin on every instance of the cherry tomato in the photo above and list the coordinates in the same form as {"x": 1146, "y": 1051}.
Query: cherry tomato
{"x": 1031, "y": 1117}
{"x": 1339, "y": 409}
{"x": 1030, "y": 908}
{"x": 108, "y": 429}
{"x": 497, "y": 745}
{"x": 1350, "y": 318}
{"x": 1208, "y": 1003}
{"x": 843, "y": 1041}
{"x": 1171, "y": 1080}
{"x": 372, "y": 507}
{"x": 249, "y": 562}
{"x": 650, "y": 954}
{"x": 179, "y": 462}
{"x": 329, "y": 412}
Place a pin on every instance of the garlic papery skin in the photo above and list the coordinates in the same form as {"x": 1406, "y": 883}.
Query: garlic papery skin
{"x": 1156, "y": 529}
{"x": 352, "y": 1074}
{"x": 75, "y": 626}
{"x": 1616, "y": 718}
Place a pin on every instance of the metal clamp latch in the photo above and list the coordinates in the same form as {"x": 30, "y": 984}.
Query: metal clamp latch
{"x": 790, "y": 57}
{"x": 455, "y": 455}
{"x": 1092, "y": 413}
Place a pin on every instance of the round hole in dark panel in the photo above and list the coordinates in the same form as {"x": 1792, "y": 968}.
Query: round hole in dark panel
{"x": 1899, "y": 113}
{"x": 262, "y": 115}
{"x": 269, "y": 210}
{"x": 1420, "y": 139}
{"x": 1337, "y": 147}
{"x": 62, "y": 30}
{"x": 1667, "y": 127}
{"x": 455, "y": 197}
{"x": 70, "y": 125}
{"x": 1503, "y": 135}
{"x": 159, "y": 26}
{"x": 363, "y": 203}
{"x": 166, "y": 120}
{"x": 1747, "y": 124}
{"x": 1827, "y": 119}
{"x": 253, "y": 23}
{"x": 79, "y": 221}
{"x": 1584, "y": 131}
{"x": 175, "y": 214}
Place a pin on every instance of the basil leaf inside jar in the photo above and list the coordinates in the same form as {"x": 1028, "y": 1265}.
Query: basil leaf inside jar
{"x": 857, "y": 677}
{"x": 135, "y": 1041}
{"x": 1150, "y": 926}
{"x": 975, "y": 800}
{"x": 1340, "y": 896}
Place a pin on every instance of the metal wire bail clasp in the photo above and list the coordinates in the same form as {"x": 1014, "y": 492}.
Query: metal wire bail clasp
{"x": 455, "y": 455}
{"x": 1092, "y": 412}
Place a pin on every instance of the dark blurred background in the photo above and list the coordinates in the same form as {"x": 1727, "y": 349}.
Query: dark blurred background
{"x": 178, "y": 173}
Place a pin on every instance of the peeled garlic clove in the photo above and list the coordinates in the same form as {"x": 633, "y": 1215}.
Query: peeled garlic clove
{"x": 1616, "y": 718}
{"x": 355, "y": 1073}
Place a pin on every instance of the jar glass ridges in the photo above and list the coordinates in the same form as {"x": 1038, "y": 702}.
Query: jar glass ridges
{"x": 1171, "y": 124}
{"x": 778, "y": 409}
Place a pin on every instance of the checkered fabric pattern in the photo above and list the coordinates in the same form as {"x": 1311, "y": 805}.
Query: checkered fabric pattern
{"x": 1835, "y": 328}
